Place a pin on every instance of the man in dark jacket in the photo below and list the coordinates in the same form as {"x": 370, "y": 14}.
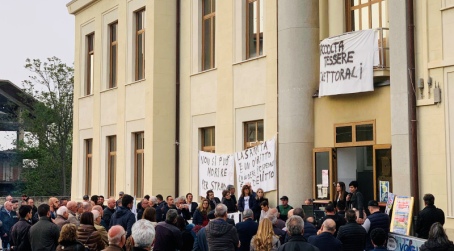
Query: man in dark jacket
{"x": 295, "y": 228}
{"x": 246, "y": 229}
{"x": 123, "y": 216}
{"x": 330, "y": 214}
{"x": 220, "y": 234}
{"x": 8, "y": 218}
{"x": 213, "y": 200}
{"x": 19, "y": 233}
{"x": 376, "y": 219}
{"x": 326, "y": 241}
{"x": 170, "y": 204}
{"x": 44, "y": 234}
{"x": 428, "y": 216}
{"x": 352, "y": 235}
{"x": 168, "y": 236}
{"x": 109, "y": 211}
{"x": 356, "y": 199}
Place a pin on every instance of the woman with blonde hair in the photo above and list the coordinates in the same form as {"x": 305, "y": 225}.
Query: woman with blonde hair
{"x": 68, "y": 238}
{"x": 201, "y": 213}
{"x": 265, "y": 239}
{"x": 259, "y": 198}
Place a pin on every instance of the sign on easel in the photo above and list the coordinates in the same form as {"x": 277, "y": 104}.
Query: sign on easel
{"x": 402, "y": 215}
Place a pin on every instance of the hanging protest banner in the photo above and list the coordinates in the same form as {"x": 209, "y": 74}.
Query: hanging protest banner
{"x": 346, "y": 63}
{"x": 257, "y": 165}
{"x": 216, "y": 172}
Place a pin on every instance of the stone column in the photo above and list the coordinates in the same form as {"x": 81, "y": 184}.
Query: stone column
{"x": 400, "y": 131}
{"x": 298, "y": 70}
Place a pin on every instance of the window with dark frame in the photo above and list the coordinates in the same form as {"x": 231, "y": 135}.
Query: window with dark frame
{"x": 140, "y": 44}
{"x": 90, "y": 63}
{"x": 111, "y": 164}
{"x": 253, "y": 133}
{"x": 208, "y": 139}
{"x": 365, "y": 14}
{"x": 113, "y": 49}
{"x": 88, "y": 165}
{"x": 254, "y": 28}
{"x": 139, "y": 143}
{"x": 208, "y": 33}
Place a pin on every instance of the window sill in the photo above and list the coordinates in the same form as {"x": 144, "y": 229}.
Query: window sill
{"x": 110, "y": 89}
{"x": 86, "y": 96}
{"x": 249, "y": 60}
{"x": 137, "y": 81}
{"x": 205, "y": 71}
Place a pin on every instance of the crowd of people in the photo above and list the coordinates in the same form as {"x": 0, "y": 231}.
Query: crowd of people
{"x": 183, "y": 224}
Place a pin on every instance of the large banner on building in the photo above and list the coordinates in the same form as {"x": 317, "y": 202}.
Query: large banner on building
{"x": 346, "y": 63}
{"x": 257, "y": 165}
{"x": 216, "y": 172}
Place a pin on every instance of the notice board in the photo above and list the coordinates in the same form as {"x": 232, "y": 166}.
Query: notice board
{"x": 402, "y": 215}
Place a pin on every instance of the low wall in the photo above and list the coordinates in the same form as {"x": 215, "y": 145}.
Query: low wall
{"x": 37, "y": 199}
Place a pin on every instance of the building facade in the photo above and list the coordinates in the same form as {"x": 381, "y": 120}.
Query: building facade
{"x": 158, "y": 81}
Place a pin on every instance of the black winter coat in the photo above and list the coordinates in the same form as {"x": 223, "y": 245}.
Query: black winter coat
{"x": 428, "y": 216}
{"x": 19, "y": 235}
{"x": 431, "y": 245}
{"x": 297, "y": 242}
{"x": 353, "y": 236}
{"x": 124, "y": 217}
{"x": 221, "y": 235}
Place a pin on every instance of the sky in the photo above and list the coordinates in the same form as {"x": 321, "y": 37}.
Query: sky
{"x": 35, "y": 29}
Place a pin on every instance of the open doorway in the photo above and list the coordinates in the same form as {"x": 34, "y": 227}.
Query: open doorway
{"x": 356, "y": 163}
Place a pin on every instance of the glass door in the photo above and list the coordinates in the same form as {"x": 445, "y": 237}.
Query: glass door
{"x": 324, "y": 162}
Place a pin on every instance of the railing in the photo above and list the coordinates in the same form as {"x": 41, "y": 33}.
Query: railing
{"x": 383, "y": 49}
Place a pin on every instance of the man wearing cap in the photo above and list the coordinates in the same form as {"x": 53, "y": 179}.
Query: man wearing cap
{"x": 376, "y": 219}
{"x": 284, "y": 208}
{"x": 246, "y": 229}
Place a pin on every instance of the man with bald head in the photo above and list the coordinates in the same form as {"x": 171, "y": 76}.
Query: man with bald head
{"x": 72, "y": 210}
{"x": 108, "y": 211}
{"x": 117, "y": 238}
{"x": 325, "y": 240}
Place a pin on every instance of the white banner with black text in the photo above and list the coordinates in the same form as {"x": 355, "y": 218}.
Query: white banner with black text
{"x": 257, "y": 165}
{"x": 216, "y": 172}
{"x": 347, "y": 62}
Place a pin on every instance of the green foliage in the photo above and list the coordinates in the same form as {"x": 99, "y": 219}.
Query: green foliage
{"x": 50, "y": 126}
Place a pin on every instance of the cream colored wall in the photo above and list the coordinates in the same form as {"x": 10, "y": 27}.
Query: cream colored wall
{"x": 216, "y": 97}
{"x": 352, "y": 108}
{"x": 435, "y": 59}
{"x": 147, "y": 105}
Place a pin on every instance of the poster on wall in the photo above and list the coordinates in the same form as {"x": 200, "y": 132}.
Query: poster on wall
{"x": 216, "y": 172}
{"x": 384, "y": 190}
{"x": 402, "y": 213}
{"x": 389, "y": 203}
{"x": 257, "y": 165}
{"x": 347, "y": 61}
